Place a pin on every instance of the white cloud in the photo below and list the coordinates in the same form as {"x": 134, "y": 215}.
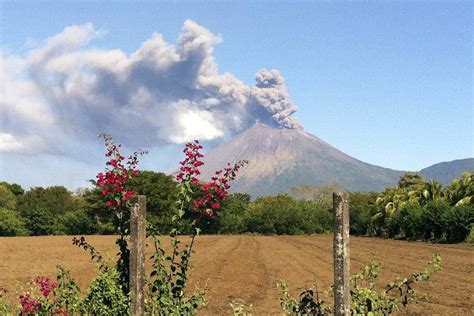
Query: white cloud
{"x": 197, "y": 125}
{"x": 25, "y": 144}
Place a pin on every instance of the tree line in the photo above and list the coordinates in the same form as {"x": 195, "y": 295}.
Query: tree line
{"x": 415, "y": 209}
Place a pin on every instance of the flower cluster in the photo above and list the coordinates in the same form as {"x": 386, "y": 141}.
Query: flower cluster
{"x": 113, "y": 180}
{"x": 45, "y": 285}
{"x": 214, "y": 192}
{"x": 190, "y": 165}
{"x": 45, "y": 305}
{"x": 28, "y": 305}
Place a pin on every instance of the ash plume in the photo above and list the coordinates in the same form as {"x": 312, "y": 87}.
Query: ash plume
{"x": 64, "y": 91}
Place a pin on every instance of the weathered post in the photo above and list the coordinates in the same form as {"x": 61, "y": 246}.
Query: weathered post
{"x": 342, "y": 303}
{"x": 137, "y": 257}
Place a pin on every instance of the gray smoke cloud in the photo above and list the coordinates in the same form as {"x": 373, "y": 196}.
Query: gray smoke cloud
{"x": 161, "y": 93}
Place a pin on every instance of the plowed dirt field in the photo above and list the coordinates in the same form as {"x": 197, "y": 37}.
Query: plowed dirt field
{"x": 247, "y": 268}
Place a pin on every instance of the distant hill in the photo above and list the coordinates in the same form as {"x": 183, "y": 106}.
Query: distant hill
{"x": 281, "y": 159}
{"x": 445, "y": 172}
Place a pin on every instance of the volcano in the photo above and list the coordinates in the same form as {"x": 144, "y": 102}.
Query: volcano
{"x": 281, "y": 159}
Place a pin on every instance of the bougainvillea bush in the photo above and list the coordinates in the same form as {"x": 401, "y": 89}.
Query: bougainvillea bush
{"x": 198, "y": 202}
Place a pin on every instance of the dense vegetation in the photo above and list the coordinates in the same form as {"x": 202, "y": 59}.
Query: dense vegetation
{"x": 414, "y": 210}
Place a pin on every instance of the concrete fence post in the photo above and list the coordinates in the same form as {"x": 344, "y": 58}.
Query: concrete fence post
{"x": 342, "y": 303}
{"x": 137, "y": 256}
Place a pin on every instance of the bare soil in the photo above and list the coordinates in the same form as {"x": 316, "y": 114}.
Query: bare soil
{"x": 246, "y": 269}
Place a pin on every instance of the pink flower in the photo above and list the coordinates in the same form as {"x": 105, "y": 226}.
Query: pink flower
{"x": 28, "y": 305}
{"x": 198, "y": 163}
{"x": 129, "y": 195}
{"x": 45, "y": 284}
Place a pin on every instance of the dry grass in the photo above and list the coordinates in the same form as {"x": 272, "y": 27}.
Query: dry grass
{"x": 247, "y": 268}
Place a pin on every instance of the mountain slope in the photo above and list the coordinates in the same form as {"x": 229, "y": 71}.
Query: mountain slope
{"x": 280, "y": 159}
{"x": 445, "y": 172}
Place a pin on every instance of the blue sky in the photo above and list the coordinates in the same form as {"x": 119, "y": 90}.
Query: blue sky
{"x": 388, "y": 83}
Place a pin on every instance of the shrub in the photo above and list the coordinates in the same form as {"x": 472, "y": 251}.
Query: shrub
{"x": 67, "y": 294}
{"x": 284, "y": 216}
{"x": 308, "y": 303}
{"x": 106, "y": 296}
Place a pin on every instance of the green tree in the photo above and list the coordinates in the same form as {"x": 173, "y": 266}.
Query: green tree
{"x": 362, "y": 208}
{"x": 42, "y": 207}
{"x": 161, "y": 191}
{"x": 7, "y": 198}
{"x": 40, "y": 221}
{"x": 411, "y": 180}
{"x": 97, "y": 211}
{"x": 410, "y": 190}
{"x": 75, "y": 222}
{"x": 266, "y": 214}
{"x": 388, "y": 203}
{"x": 11, "y": 224}
{"x": 14, "y": 188}
{"x": 56, "y": 199}
{"x": 230, "y": 218}
{"x": 432, "y": 191}
{"x": 433, "y": 214}
{"x": 461, "y": 191}
{"x": 407, "y": 222}
{"x": 457, "y": 222}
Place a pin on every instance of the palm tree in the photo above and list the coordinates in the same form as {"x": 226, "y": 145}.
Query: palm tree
{"x": 461, "y": 190}
{"x": 432, "y": 191}
{"x": 390, "y": 201}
